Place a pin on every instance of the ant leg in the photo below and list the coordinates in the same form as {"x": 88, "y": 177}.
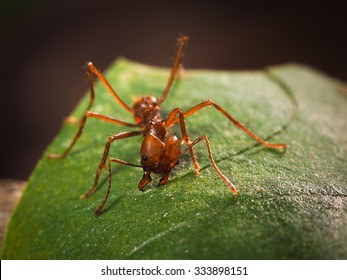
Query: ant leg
{"x": 221, "y": 175}
{"x": 182, "y": 43}
{"x": 169, "y": 121}
{"x": 80, "y": 130}
{"x": 109, "y": 88}
{"x": 110, "y": 139}
{"x": 235, "y": 122}
{"x": 74, "y": 120}
{"x": 99, "y": 209}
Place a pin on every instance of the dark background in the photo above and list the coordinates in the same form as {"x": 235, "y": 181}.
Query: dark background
{"x": 45, "y": 45}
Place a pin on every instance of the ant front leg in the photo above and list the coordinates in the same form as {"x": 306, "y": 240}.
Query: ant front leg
{"x": 170, "y": 120}
{"x": 110, "y": 139}
{"x": 99, "y": 209}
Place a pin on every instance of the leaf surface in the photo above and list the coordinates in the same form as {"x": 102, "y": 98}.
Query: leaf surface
{"x": 291, "y": 205}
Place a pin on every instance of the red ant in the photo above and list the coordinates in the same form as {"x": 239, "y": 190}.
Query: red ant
{"x": 160, "y": 151}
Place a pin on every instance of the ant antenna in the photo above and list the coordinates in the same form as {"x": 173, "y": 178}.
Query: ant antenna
{"x": 182, "y": 42}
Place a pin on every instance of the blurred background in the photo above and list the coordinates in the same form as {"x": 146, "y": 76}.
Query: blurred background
{"x": 45, "y": 45}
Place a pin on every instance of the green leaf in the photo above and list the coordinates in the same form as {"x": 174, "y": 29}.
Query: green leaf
{"x": 290, "y": 205}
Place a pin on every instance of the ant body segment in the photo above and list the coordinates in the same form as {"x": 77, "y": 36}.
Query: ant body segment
{"x": 160, "y": 151}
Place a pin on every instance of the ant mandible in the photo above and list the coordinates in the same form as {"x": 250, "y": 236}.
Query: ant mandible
{"x": 160, "y": 151}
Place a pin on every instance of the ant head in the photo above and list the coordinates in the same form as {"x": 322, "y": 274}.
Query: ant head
{"x": 152, "y": 152}
{"x": 145, "y": 107}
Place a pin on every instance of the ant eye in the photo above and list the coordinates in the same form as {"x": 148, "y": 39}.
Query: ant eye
{"x": 144, "y": 157}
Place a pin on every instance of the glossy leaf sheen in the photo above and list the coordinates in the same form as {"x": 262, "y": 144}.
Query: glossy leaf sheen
{"x": 291, "y": 205}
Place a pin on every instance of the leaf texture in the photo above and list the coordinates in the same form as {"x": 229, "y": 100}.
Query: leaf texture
{"x": 291, "y": 205}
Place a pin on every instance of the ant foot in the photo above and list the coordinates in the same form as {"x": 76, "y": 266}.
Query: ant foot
{"x": 84, "y": 196}
{"x": 197, "y": 169}
{"x": 55, "y": 155}
{"x": 71, "y": 120}
{"x": 164, "y": 180}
